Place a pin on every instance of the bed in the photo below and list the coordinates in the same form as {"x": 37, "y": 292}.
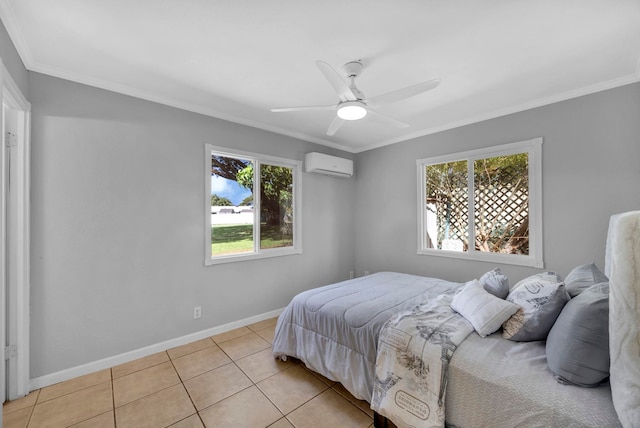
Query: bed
{"x": 490, "y": 381}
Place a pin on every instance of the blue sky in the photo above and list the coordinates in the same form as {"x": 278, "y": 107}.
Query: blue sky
{"x": 229, "y": 189}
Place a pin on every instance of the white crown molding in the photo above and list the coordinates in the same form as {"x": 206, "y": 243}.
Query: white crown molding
{"x": 126, "y": 90}
{"x": 105, "y": 363}
{"x": 15, "y": 33}
{"x": 587, "y": 90}
{"x": 195, "y": 108}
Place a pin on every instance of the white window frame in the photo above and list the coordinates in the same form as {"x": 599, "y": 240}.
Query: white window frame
{"x": 258, "y": 159}
{"x": 533, "y": 148}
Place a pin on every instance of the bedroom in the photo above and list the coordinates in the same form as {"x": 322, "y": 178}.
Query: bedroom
{"x": 111, "y": 171}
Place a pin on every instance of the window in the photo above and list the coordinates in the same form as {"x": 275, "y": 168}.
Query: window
{"x": 251, "y": 206}
{"x": 483, "y": 204}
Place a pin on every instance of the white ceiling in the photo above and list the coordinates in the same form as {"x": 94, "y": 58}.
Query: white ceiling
{"x": 236, "y": 59}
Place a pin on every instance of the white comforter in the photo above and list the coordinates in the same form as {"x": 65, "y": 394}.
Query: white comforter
{"x": 334, "y": 329}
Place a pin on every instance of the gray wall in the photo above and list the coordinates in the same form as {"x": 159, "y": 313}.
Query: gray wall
{"x": 117, "y": 226}
{"x": 591, "y": 169}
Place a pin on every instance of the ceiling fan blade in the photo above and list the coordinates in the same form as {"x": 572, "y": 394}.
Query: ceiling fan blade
{"x": 335, "y": 125}
{"x": 342, "y": 89}
{"x": 403, "y": 93}
{"x": 381, "y": 118}
{"x": 303, "y": 108}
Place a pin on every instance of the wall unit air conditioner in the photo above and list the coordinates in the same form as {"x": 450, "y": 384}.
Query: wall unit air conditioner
{"x": 320, "y": 163}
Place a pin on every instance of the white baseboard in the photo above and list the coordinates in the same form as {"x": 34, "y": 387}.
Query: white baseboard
{"x": 105, "y": 363}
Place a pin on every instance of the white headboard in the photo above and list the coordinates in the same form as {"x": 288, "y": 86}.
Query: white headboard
{"x": 607, "y": 255}
{"x": 622, "y": 266}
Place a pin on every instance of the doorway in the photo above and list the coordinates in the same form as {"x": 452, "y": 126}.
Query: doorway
{"x": 14, "y": 237}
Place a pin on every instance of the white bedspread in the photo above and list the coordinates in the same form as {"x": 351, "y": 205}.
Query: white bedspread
{"x": 414, "y": 350}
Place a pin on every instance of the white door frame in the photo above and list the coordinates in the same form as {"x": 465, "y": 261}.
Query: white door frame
{"x": 14, "y": 251}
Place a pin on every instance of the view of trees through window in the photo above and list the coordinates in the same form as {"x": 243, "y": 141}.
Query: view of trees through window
{"x": 500, "y": 214}
{"x": 233, "y": 227}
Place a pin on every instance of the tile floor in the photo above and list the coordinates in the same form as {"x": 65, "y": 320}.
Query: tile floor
{"x": 228, "y": 380}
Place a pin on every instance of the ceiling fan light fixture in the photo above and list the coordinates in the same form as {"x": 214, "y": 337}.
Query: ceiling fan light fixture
{"x": 352, "y": 110}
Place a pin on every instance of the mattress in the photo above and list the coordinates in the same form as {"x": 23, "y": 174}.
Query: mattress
{"x": 494, "y": 382}
{"x": 334, "y": 329}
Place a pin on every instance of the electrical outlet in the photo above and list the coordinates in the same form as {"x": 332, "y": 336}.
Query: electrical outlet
{"x": 197, "y": 312}
{"x": 351, "y": 274}
{"x": 366, "y": 272}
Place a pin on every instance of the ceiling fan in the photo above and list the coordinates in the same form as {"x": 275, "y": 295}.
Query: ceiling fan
{"x": 353, "y": 105}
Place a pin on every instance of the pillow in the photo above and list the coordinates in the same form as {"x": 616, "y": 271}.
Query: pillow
{"x": 484, "y": 311}
{"x": 540, "y": 297}
{"x": 583, "y": 277}
{"x": 496, "y": 283}
{"x": 578, "y": 343}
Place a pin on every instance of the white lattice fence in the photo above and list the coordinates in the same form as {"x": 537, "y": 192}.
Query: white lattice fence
{"x": 501, "y": 218}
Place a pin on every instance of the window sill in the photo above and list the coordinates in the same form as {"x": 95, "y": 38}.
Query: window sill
{"x": 508, "y": 259}
{"x": 231, "y": 258}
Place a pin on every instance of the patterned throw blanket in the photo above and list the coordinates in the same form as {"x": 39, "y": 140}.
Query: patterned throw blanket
{"x": 414, "y": 350}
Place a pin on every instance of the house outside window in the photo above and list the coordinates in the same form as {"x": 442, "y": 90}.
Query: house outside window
{"x": 483, "y": 204}
{"x": 251, "y": 206}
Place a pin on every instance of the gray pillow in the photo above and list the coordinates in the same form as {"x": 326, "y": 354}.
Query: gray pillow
{"x": 541, "y": 297}
{"x": 583, "y": 277}
{"x": 578, "y": 343}
{"x": 496, "y": 283}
